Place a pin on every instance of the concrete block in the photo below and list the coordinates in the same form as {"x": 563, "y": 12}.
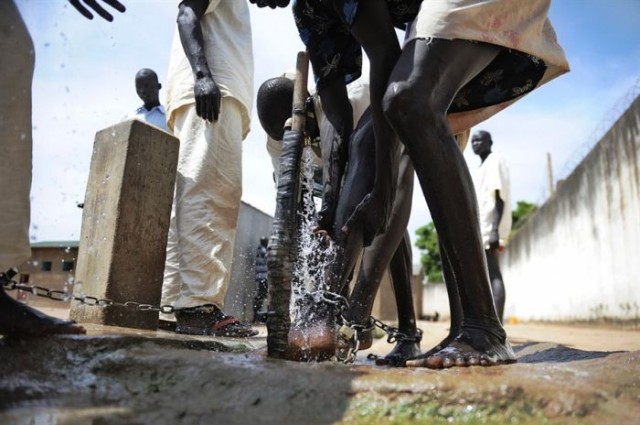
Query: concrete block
{"x": 125, "y": 223}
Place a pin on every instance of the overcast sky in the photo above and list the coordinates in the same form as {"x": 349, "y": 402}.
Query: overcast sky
{"x": 84, "y": 82}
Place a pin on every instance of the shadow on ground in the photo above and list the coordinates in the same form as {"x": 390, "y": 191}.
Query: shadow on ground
{"x": 552, "y": 353}
{"x": 141, "y": 380}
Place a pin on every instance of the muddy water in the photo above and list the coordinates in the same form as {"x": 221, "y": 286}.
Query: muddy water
{"x": 137, "y": 379}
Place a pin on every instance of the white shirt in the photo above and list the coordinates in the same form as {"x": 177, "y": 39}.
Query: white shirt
{"x": 493, "y": 175}
{"x": 226, "y": 29}
{"x": 156, "y": 116}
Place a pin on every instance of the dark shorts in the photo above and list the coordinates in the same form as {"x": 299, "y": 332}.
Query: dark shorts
{"x": 325, "y": 29}
{"x": 510, "y": 75}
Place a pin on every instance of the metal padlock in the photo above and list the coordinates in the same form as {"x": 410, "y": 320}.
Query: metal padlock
{"x": 346, "y": 332}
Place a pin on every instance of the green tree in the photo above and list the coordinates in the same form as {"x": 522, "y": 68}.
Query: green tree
{"x": 429, "y": 247}
{"x": 427, "y": 243}
{"x": 521, "y": 214}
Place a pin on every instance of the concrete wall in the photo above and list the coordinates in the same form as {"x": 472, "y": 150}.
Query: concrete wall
{"x": 252, "y": 225}
{"x": 435, "y": 300}
{"x": 578, "y": 256}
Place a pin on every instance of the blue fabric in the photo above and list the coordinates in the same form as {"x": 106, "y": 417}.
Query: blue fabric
{"x": 156, "y": 116}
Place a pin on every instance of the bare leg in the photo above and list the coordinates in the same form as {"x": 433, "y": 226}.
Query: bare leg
{"x": 455, "y": 309}
{"x": 435, "y": 70}
{"x": 497, "y": 284}
{"x": 335, "y": 132}
{"x": 314, "y": 338}
{"x": 408, "y": 345}
{"x": 374, "y": 31}
{"x": 20, "y": 321}
{"x": 376, "y": 259}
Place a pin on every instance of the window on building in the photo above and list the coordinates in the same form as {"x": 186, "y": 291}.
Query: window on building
{"x": 67, "y": 266}
{"x": 46, "y": 266}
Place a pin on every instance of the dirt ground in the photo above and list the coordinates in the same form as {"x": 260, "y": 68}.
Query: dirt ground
{"x": 565, "y": 374}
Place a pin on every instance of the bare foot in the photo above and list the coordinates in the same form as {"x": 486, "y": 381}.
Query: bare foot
{"x": 403, "y": 351}
{"x": 312, "y": 343}
{"x": 19, "y": 320}
{"x": 470, "y": 348}
{"x": 313, "y": 337}
{"x": 365, "y": 339}
{"x": 438, "y": 347}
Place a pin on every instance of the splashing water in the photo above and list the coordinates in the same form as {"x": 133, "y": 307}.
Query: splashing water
{"x": 68, "y": 287}
{"x": 314, "y": 253}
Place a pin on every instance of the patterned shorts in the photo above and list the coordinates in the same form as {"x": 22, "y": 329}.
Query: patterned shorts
{"x": 324, "y": 27}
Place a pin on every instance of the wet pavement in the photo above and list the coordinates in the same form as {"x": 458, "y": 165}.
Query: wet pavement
{"x": 565, "y": 374}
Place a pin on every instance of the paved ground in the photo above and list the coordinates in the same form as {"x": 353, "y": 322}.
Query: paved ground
{"x": 565, "y": 374}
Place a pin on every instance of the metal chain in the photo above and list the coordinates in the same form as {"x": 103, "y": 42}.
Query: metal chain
{"x": 394, "y": 334}
{"x": 349, "y": 339}
{"x": 349, "y": 332}
{"x": 58, "y": 295}
{"x": 333, "y": 299}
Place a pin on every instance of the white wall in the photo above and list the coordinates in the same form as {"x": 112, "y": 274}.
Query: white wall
{"x": 578, "y": 256}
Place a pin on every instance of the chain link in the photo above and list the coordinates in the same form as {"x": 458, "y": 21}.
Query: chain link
{"x": 349, "y": 338}
{"x": 59, "y": 295}
{"x": 394, "y": 334}
{"x": 333, "y": 299}
{"x": 351, "y": 343}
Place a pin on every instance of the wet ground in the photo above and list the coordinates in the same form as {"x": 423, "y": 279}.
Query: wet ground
{"x": 564, "y": 374}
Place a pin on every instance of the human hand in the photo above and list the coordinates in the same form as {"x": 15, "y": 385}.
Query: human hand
{"x": 494, "y": 240}
{"x": 271, "y": 3}
{"x": 371, "y": 215}
{"x": 93, "y": 4}
{"x": 208, "y": 98}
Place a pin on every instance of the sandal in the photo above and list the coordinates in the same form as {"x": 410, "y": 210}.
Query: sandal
{"x": 210, "y": 320}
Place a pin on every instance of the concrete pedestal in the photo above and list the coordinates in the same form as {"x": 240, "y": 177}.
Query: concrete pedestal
{"x": 125, "y": 223}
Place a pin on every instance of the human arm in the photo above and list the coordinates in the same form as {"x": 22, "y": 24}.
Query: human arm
{"x": 494, "y": 236}
{"x": 271, "y": 3}
{"x": 206, "y": 91}
{"x": 335, "y": 131}
{"x": 93, "y": 4}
